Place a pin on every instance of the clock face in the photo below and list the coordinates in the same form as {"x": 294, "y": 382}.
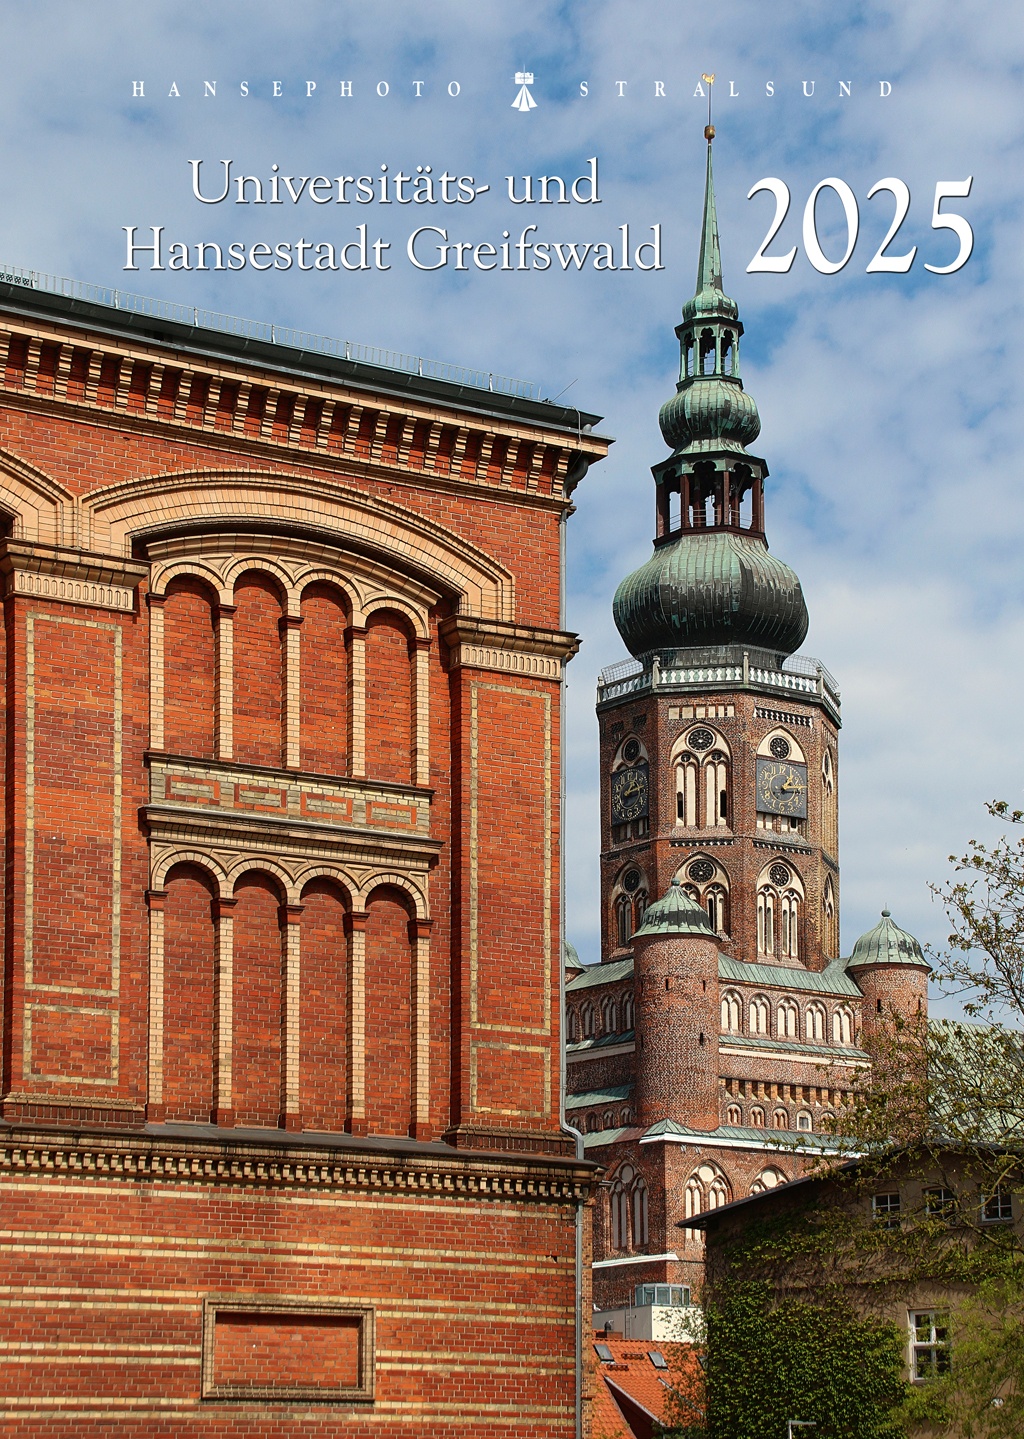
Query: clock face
{"x": 782, "y": 788}
{"x": 630, "y": 793}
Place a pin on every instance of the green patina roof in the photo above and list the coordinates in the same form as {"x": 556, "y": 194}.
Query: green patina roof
{"x": 792, "y": 1046}
{"x": 833, "y": 980}
{"x": 675, "y": 913}
{"x": 600, "y": 974}
{"x": 886, "y": 944}
{"x": 570, "y": 956}
{"x": 715, "y": 588}
{"x": 626, "y": 1037}
{"x": 709, "y": 298}
{"x": 598, "y": 1096}
{"x": 783, "y": 1138}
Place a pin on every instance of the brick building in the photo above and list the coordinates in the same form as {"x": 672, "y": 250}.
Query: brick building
{"x": 722, "y": 1029}
{"x": 283, "y": 666}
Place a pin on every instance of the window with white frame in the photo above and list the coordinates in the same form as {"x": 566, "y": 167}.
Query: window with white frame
{"x": 885, "y": 1209}
{"x": 804, "y": 1120}
{"x": 996, "y": 1206}
{"x": 929, "y": 1343}
{"x": 940, "y": 1203}
{"x": 759, "y": 1015}
{"x": 587, "y": 1018}
{"x": 609, "y": 1016}
{"x": 627, "y": 1011}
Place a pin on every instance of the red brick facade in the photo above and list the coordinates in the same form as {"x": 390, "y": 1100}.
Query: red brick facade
{"x": 280, "y": 1148}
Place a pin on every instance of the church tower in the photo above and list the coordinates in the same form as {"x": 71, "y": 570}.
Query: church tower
{"x": 719, "y": 745}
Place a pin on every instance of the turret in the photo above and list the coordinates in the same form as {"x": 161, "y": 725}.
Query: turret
{"x": 891, "y": 970}
{"x": 677, "y": 1013}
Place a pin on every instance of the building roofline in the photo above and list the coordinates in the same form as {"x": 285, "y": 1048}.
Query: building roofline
{"x": 283, "y": 350}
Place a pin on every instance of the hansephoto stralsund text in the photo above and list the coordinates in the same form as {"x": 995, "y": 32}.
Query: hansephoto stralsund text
{"x": 647, "y": 89}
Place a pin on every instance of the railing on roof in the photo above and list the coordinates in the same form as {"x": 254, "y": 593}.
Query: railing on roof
{"x": 798, "y": 674}
{"x": 126, "y": 301}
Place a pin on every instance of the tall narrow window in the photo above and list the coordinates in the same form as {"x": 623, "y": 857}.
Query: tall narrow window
{"x": 732, "y": 1010}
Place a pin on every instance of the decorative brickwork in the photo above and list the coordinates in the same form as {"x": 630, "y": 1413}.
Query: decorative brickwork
{"x": 279, "y": 634}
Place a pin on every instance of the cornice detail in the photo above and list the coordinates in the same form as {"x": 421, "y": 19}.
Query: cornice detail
{"x": 232, "y": 1163}
{"x": 70, "y": 576}
{"x": 515, "y": 649}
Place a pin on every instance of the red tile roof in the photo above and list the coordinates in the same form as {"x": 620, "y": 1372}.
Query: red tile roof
{"x": 630, "y": 1394}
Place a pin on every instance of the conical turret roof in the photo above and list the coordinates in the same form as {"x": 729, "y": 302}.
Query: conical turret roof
{"x": 886, "y": 944}
{"x": 675, "y": 913}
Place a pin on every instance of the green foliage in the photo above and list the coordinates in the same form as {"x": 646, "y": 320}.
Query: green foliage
{"x": 770, "y": 1361}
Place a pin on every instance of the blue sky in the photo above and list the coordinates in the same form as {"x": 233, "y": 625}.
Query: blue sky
{"x": 889, "y": 402}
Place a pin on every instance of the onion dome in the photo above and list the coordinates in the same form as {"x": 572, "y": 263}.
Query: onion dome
{"x": 714, "y": 588}
{"x": 675, "y": 913}
{"x": 711, "y": 581}
{"x": 886, "y": 944}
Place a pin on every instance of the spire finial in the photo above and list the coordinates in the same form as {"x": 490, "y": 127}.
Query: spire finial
{"x": 709, "y": 129}
{"x": 709, "y": 266}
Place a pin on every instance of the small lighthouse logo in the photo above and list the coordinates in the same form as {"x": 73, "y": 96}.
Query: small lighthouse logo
{"x": 524, "y": 101}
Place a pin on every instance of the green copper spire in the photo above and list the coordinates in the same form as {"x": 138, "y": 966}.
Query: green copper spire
{"x": 709, "y": 297}
{"x": 711, "y": 581}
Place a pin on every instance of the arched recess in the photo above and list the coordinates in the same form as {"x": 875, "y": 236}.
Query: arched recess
{"x": 324, "y": 1015}
{"x": 324, "y": 680}
{"x": 189, "y": 1009}
{"x": 258, "y": 669}
{"x": 769, "y": 1178}
{"x": 390, "y": 1013}
{"x": 702, "y": 761}
{"x": 34, "y": 507}
{"x": 390, "y": 697}
{"x": 190, "y": 667}
{"x": 121, "y": 516}
{"x": 257, "y": 1000}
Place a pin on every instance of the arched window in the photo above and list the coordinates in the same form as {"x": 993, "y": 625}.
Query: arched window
{"x": 842, "y": 1026}
{"x": 703, "y": 793}
{"x": 706, "y": 1188}
{"x": 804, "y": 1120}
{"x": 623, "y": 920}
{"x": 814, "y": 1023}
{"x": 574, "y": 1026}
{"x": 766, "y": 921}
{"x": 587, "y": 1018}
{"x": 707, "y": 352}
{"x": 769, "y": 1178}
{"x": 618, "y": 1206}
{"x": 608, "y": 1121}
{"x": 829, "y": 921}
{"x": 759, "y": 1015}
{"x": 732, "y": 1012}
{"x": 780, "y": 1119}
{"x": 757, "y": 1117}
{"x": 627, "y": 1011}
{"x": 639, "y": 1207}
{"x": 609, "y": 1016}
{"x": 829, "y": 805}
{"x": 779, "y": 902}
{"x": 687, "y": 775}
{"x": 591, "y": 1123}
{"x": 828, "y": 1120}
{"x": 789, "y": 916}
{"x": 705, "y": 881}
{"x": 734, "y": 1115}
{"x": 626, "y": 1117}
{"x": 788, "y": 1020}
